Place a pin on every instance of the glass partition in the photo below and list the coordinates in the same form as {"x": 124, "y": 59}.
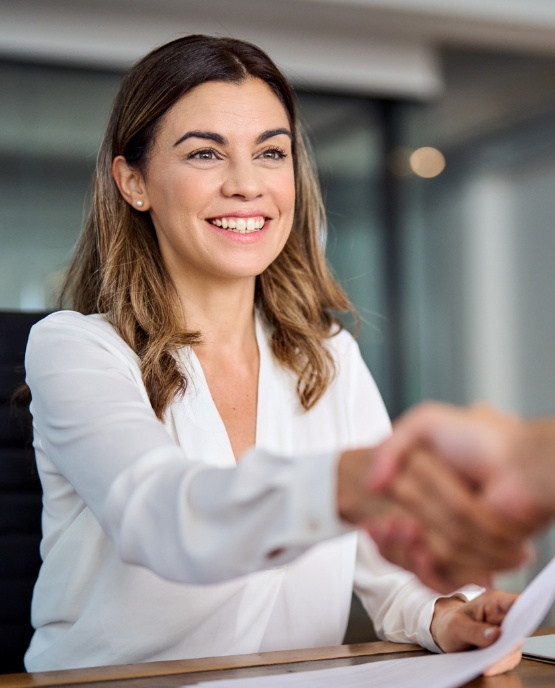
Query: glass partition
{"x": 346, "y": 135}
{"x": 51, "y": 124}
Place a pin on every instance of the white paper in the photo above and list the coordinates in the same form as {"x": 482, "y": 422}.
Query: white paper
{"x": 437, "y": 671}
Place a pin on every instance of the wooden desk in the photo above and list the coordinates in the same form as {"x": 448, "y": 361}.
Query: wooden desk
{"x": 186, "y": 672}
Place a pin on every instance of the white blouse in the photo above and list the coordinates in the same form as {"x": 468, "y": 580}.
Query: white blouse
{"x": 157, "y": 545}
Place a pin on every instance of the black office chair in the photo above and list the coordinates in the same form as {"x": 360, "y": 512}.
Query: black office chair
{"x": 20, "y": 498}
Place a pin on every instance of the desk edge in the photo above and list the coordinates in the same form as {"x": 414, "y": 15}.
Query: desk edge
{"x": 188, "y": 666}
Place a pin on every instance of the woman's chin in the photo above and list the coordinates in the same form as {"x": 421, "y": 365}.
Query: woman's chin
{"x": 233, "y": 272}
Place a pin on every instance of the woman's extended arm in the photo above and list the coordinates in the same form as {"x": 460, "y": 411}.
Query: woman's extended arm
{"x": 180, "y": 518}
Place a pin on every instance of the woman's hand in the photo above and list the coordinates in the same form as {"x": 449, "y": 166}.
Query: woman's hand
{"x": 355, "y": 501}
{"x": 458, "y": 625}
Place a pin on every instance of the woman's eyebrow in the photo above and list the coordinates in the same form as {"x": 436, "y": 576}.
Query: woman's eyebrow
{"x": 218, "y": 138}
{"x": 211, "y": 136}
{"x": 273, "y": 132}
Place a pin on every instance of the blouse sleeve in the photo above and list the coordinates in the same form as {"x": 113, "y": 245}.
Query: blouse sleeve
{"x": 400, "y": 606}
{"x": 185, "y": 521}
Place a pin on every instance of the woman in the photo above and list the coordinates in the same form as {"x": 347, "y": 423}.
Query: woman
{"x": 202, "y": 327}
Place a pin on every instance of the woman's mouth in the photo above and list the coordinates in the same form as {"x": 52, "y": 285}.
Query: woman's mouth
{"x": 242, "y": 225}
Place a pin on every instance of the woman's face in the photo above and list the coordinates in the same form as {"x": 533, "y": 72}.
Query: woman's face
{"x": 219, "y": 185}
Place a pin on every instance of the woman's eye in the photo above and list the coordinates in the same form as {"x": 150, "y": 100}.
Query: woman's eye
{"x": 206, "y": 154}
{"x": 273, "y": 154}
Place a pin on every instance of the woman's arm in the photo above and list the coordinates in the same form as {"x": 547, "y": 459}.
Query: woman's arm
{"x": 180, "y": 518}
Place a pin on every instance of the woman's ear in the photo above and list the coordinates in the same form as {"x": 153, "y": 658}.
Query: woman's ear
{"x": 130, "y": 184}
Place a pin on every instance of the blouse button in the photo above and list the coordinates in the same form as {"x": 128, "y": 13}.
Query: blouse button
{"x": 313, "y": 525}
{"x": 275, "y": 553}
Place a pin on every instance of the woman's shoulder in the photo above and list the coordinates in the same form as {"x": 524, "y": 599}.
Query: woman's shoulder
{"x": 349, "y": 364}
{"x": 69, "y": 328}
{"x": 342, "y": 345}
{"x": 63, "y": 321}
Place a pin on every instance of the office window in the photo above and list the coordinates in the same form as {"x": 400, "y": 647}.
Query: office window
{"x": 347, "y": 140}
{"x": 51, "y": 124}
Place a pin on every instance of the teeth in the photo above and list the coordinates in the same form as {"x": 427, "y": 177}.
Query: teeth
{"x": 239, "y": 224}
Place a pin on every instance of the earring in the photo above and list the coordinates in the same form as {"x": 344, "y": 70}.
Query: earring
{"x": 139, "y": 203}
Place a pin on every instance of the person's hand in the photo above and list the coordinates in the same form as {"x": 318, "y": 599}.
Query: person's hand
{"x": 496, "y": 453}
{"x": 356, "y": 503}
{"x": 485, "y": 520}
{"x": 451, "y": 537}
{"x": 477, "y": 441}
{"x": 427, "y": 523}
{"x": 460, "y": 625}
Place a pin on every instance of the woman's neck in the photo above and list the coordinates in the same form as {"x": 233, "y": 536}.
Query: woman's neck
{"x": 223, "y": 312}
{"x": 228, "y": 352}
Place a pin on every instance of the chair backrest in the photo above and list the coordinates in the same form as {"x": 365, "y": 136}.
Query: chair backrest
{"x": 20, "y": 498}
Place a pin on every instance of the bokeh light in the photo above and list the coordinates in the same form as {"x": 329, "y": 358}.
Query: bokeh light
{"x": 427, "y": 162}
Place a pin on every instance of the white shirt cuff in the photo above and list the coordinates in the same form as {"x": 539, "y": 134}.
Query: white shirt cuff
{"x": 425, "y": 626}
{"x": 468, "y": 592}
{"x": 315, "y": 507}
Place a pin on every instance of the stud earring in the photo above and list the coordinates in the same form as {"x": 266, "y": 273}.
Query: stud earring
{"x": 139, "y": 203}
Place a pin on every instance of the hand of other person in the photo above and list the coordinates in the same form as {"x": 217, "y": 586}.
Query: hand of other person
{"x": 428, "y": 521}
{"x": 461, "y": 625}
{"x": 452, "y": 537}
{"x": 497, "y": 454}
{"x": 499, "y": 463}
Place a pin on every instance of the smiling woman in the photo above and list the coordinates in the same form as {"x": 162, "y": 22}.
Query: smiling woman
{"x": 201, "y": 420}
{"x": 222, "y": 214}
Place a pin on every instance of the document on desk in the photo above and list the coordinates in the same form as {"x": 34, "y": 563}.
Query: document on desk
{"x": 436, "y": 671}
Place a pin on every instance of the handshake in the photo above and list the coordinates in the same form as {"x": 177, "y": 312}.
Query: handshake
{"x": 454, "y": 495}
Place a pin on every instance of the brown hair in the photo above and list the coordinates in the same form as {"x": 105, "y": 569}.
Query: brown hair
{"x": 118, "y": 270}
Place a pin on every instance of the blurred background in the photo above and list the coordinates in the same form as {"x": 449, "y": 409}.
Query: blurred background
{"x": 433, "y": 127}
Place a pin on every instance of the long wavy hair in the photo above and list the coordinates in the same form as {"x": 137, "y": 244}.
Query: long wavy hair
{"x": 117, "y": 267}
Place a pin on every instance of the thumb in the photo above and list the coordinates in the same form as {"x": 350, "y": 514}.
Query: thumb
{"x": 476, "y": 633}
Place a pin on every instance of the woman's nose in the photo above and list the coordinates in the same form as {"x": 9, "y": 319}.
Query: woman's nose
{"x": 242, "y": 180}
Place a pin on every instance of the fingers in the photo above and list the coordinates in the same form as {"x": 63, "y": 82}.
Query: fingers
{"x": 491, "y": 606}
{"x": 453, "y": 547}
{"x": 454, "y": 630}
{"x": 412, "y": 429}
{"x": 506, "y": 664}
{"x": 470, "y": 633}
{"x": 400, "y": 540}
{"x": 459, "y": 528}
{"x": 446, "y": 579}
{"x": 402, "y": 544}
{"x": 476, "y": 441}
{"x": 458, "y": 625}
